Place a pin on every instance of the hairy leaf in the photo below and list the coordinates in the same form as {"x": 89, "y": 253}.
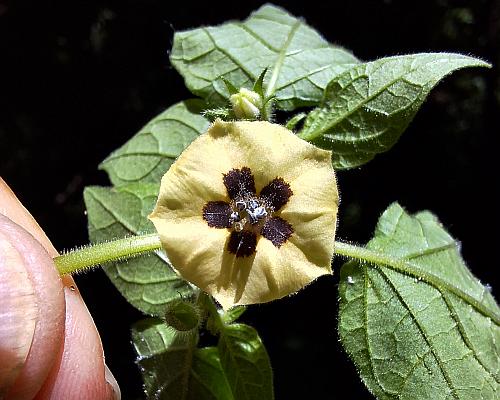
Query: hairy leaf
{"x": 366, "y": 109}
{"x": 147, "y": 282}
{"x": 300, "y": 62}
{"x": 246, "y": 363}
{"x": 172, "y": 368}
{"x": 149, "y": 154}
{"x": 417, "y": 323}
{"x": 231, "y": 315}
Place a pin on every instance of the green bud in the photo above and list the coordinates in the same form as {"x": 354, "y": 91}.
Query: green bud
{"x": 182, "y": 316}
{"x": 246, "y": 104}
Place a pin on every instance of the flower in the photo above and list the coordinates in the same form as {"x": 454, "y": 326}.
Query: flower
{"x": 248, "y": 212}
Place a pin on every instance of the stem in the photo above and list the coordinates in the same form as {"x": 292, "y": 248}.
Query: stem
{"x": 87, "y": 257}
{"x": 359, "y": 253}
{"x": 214, "y": 323}
{"x": 267, "y": 109}
{"x": 121, "y": 249}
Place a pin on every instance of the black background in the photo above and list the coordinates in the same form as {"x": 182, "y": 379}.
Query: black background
{"x": 78, "y": 78}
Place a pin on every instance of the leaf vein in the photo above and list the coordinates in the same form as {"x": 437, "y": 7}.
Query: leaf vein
{"x": 116, "y": 216}
{"x": 251, "y": 32}
{"x": 423, "y": 333}
{"x": 315, "y": 133}
{"x": 236, "y": 62}
{"x": 430, "y": 250}
{"x": 281, "y": 58}
{"x": 465, "y": 338}
{"x": 365, "y": 330}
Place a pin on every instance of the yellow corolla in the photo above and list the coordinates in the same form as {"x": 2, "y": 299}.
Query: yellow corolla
{"x": 248, "y": 212}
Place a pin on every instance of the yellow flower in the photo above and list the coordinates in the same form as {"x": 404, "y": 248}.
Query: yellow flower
{"x": 248, "y": 212}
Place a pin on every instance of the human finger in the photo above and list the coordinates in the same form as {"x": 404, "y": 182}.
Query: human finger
{"x": 81, "y": 346}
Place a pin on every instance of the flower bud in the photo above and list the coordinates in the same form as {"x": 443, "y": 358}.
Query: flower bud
{"x": 246, "y": 104}
{"x": 182, "y": 316}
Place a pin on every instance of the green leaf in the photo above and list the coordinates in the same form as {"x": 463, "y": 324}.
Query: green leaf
{"x": 164, "y": 359}
{"x": 258, "y": 86}
{"x": 223, "y": 113}
{"x": 292, "y": 122}
{"x": 300, "y": 61}
{"x": 417, "y": 323}
{"x": 172, "y": 368}
{"x": 231, "y": 315}
{"x": 245, "y": 362}
{"x": 230, "y": 87}
{"x": 366, "y": 109}
{"x": 149, "y": 154}
{"x": 147, "y": 282}
{"x": 208, "y": 380}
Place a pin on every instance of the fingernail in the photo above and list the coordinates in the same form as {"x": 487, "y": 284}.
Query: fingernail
{"x": 18, "y": 313}
{"x": 112, "y": 384}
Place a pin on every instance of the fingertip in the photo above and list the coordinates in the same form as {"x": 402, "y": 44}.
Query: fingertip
{"x": 18, "y": 314}
{"x": 46, "y": 305}
{"x": 114, "y": 389}
{"x": 82, "y": 348}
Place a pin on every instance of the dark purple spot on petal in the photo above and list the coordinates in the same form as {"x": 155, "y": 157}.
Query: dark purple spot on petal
{"x": 217, "y": 214}
{"x": 239, "y": 183}
{"x": 277, "y": 230}
{"x": 276, "y": 193}
{"x": 242, "y": 244}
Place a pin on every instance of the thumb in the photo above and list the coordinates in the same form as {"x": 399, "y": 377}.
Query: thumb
{"x": 31, "y": 311}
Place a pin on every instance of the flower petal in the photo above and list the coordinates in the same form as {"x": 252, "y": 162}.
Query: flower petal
{"x": 277, "y": 230}
{"x": 242, "y": 244}
{"x": 312, "y": 212}
{"x": 269, "y": 150}
{"x": 276, "y": 193}
{"x": 217, "y": 214}
{"x": 194, "y": 179}
{"x": 272, "y": 273}
{"x": 193, "y": 248}
{"x": 239, "y": 182}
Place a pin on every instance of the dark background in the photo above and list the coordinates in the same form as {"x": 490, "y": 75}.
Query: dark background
{"x": 78, "y": 78}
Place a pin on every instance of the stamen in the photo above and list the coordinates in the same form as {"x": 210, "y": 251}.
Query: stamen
{"x": 251, "y": 210}
{"x": 252, "y": 217}
{"x": 235, "y": 216}
{"x": 252, "y": 204}
{"x": 260, "y": 212}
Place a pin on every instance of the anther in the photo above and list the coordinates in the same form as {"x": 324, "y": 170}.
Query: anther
{"x": 235, "y": 217}
{"x": 252, "y": 205}
{"x": 241, "y": 205}
{"x": 260, "y": 212}
{"x": 252, "y": 217}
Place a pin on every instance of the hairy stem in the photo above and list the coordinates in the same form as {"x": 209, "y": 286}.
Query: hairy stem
{"x": 215, "y": 324}
{"x": 93, "y": 255}
{"x": 121, "y": 249}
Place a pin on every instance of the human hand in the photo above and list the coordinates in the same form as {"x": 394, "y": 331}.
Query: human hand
{"x": 49, "y": 345}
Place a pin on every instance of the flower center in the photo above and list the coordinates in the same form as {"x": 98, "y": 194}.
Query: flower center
{"x": 248, "y": 215}
{"x": 248, "y": 212}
